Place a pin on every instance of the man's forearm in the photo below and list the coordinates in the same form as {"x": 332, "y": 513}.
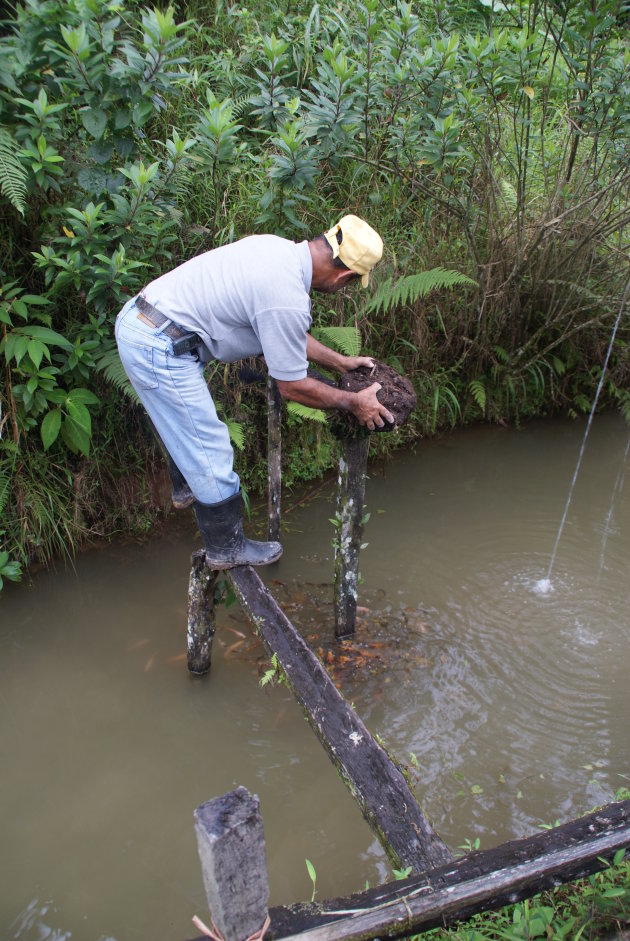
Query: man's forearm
{"x": 316, "y": 394}
{"x": 316, "y": 352}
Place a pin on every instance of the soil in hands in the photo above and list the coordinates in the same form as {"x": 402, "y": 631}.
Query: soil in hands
{"x": 396, "y": 393}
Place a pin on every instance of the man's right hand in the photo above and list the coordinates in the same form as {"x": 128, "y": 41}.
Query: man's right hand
{"x": 368, "y": 410}
{"x": 364, "y": 405}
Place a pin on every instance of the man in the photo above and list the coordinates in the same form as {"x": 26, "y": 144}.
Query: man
{"x": 240, "y": 300}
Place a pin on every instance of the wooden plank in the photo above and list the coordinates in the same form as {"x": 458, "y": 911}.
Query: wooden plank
{"x": 375, "y": 781}
{"x": 478, "y": 882}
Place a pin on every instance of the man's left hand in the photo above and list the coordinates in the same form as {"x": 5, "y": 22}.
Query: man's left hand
{"x": 353, "y": 362}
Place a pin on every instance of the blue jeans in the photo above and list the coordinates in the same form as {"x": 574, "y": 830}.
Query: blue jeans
{"x": 174, "y": 393}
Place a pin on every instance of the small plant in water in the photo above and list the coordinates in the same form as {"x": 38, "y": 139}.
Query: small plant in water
{"x": 310, "y": 868}
{"x": 273, "y": 673}
{"x": 469, "y": 846}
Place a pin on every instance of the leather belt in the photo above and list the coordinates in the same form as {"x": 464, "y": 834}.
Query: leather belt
{"x": 156, "y": 318}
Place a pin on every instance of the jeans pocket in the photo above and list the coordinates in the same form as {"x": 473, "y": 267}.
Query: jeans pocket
{"x": 139, "y": 365}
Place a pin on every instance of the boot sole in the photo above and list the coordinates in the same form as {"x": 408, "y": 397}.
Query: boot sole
{"x": 183, "y": 504}
{"x": 222, "y": 564}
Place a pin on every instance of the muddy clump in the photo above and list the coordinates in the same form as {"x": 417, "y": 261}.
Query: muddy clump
{"x": 396, "y": 394}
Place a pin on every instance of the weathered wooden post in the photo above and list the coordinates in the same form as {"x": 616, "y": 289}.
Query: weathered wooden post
{"x": 231, "y": 844}
{"x": 353, "y": 454}
{"x": 201, "y": 618}
{"x": 397, "y": 394}
{"x": 274, "y": 456}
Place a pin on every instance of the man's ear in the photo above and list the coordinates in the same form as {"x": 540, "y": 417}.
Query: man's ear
{"x": 343, "y": 276}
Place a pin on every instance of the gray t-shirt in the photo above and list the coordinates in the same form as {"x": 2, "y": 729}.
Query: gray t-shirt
{"x": 243, "y": 299}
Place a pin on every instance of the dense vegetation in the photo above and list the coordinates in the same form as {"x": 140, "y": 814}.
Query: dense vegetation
{"x": 487, "y": 136}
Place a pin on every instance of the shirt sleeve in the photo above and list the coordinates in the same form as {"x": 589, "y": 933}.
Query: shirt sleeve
{"x": 282, "y": 334}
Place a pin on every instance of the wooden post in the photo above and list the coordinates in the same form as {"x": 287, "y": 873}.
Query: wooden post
{"x": 353, "y": 453}
{"x": 231, "y": 844}
{"x": 274, "y": 456}
{"x": 201, "y": 620}
{"x": 374, "y": 780}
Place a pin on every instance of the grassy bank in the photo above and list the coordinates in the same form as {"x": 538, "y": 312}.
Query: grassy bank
{"x": 596, "y": 907}
{"x": 490, "y": 138}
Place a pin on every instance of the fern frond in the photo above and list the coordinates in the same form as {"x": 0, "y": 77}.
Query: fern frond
{"x": 239, "y": 105}
{"x": 478, "y": 392}
{"x": 623, "y": 397}
{"x": 114, "y": 371}
{"x": 4, "y": 491}
{"x": 237, "y": 434}
{"x": 409, "y": 289}
{"x": 510, "y": 196}
{"x": 299, "y": 411}
{"x": 581, "y": 289}
{"x": 12, "y": 173}
{"x": 345, "y": 339}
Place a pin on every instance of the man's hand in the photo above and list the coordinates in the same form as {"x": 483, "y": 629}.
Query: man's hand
{"x": 368, "y": 410}
{"x": 353, "y": 362}
{"x": 364, "y": 405}
{"x": 316, "y": 352}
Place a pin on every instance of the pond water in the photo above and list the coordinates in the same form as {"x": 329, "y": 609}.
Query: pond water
{"x": 510, "y": 706}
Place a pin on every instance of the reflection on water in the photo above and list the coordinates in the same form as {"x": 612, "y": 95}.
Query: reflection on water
{"x": 508, "y": 704}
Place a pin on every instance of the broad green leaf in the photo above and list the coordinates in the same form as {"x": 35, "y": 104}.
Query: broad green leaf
{"x": 101, "y": 151}
{"x": 122, "y": 119}
{"x": 82, "y": 397}
{"x": 92, "y": 180}
{"x": 80, "y": 415}
{"x": 45, "y": 334}
{"x": 50, "y": 428}
{"x": 36, "y": 350}
{"x": 35, "y": 299}
{"x": 94, "y": 121}
{"x": 75, "y": 436}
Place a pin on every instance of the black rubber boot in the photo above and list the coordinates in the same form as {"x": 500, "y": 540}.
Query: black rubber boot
{"x": 182, "y": 495}
{"x": 221, "y": 525}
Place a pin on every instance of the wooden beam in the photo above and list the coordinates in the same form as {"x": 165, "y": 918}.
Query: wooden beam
{"x": 376, "y": 782}
{"x": 478, "y": 882}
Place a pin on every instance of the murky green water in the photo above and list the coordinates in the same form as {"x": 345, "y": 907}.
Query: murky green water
{"x": 511, "y": 707}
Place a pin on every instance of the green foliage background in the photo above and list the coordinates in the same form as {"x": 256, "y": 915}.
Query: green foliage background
{"x": 486, "y": 137}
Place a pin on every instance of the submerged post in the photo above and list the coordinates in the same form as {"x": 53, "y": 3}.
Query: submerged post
{"x": 353, "y": 453}
{"x": 274, "y": 456}
{"x": 231, "y": 844}
{"x": 201, "y": 619}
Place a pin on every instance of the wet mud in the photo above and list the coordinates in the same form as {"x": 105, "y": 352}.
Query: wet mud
{"x": 396, "y": 393}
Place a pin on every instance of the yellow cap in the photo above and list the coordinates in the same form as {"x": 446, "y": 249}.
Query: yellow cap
{"x": 357, "y": 245}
